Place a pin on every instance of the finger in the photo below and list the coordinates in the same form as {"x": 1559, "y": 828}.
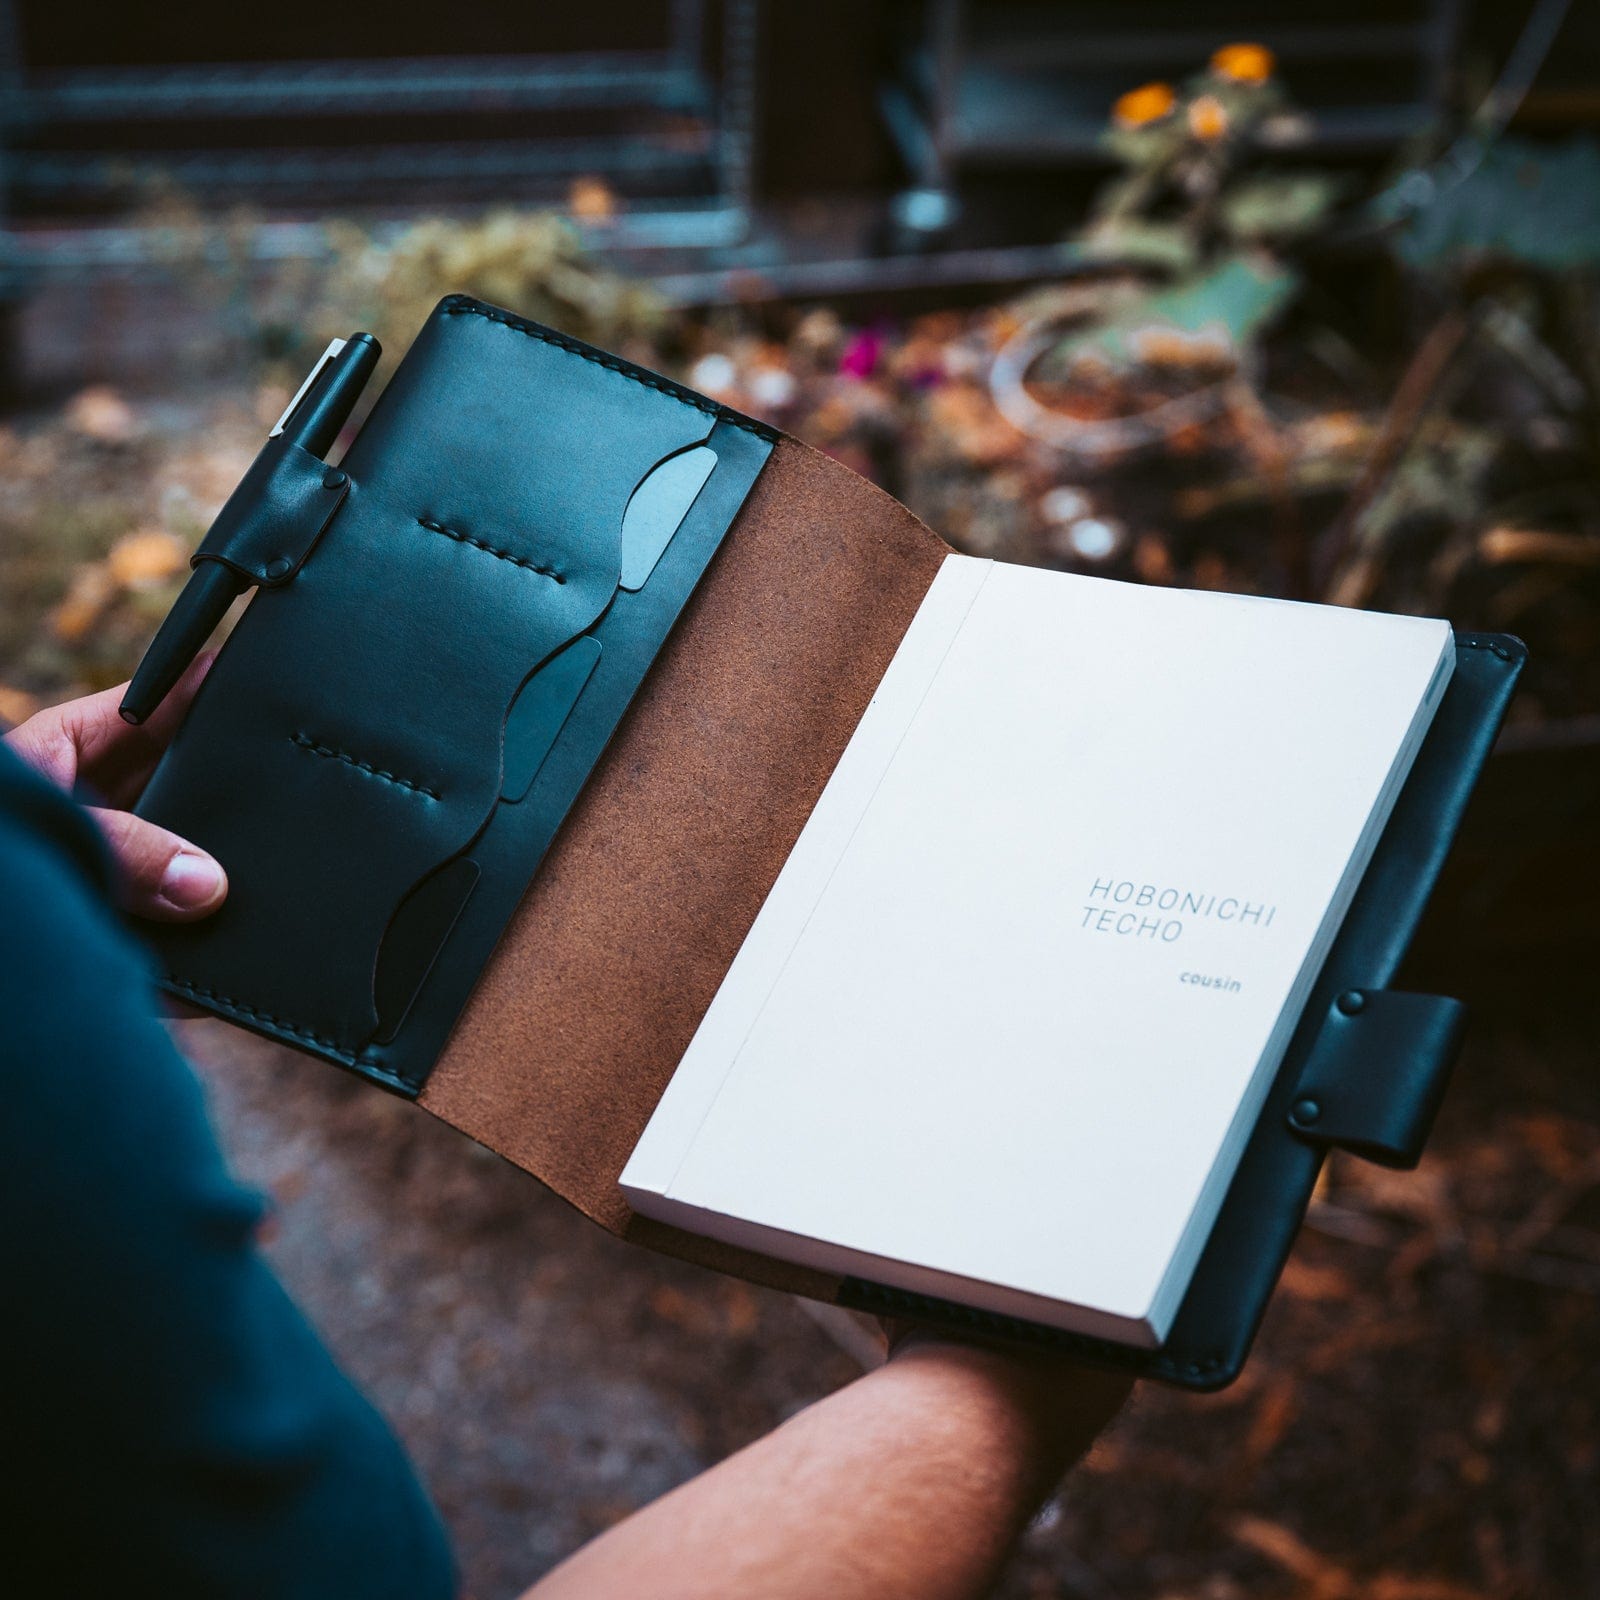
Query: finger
{"x": 115, "y": 756}
{"x": 162, "y": 876}
{"x": 165, "y": 720}
{"x": 46, "y": 746}
{"x": 176, "y": 1010}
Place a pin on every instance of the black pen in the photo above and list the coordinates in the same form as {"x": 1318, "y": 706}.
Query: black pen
{"x": 312, "y": 421}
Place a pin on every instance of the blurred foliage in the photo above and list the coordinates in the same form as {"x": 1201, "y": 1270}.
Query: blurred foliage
{"x": 534, "y": 263}
{"x": 1194, "y": 185}
{"x": 386, "y": 280}
{"x": 1192, "y": 236}
{"x": 1225, "y": 309}
{"x": 1523, "y": 204}
{"x": 1493, "y": 430}
{"x": 100, "y": 506}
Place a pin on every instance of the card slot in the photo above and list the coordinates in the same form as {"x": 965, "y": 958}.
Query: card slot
{"x": 428, "y": 912}
{"x": 540, "y": 712}
{"x": 414, "y": 938}
{"x": 430, "y": 909}
{"x": 656, "y": 510}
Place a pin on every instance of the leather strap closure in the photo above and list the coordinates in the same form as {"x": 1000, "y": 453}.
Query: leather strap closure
{"x": 276, "y": 515}
{"x": 1377, "y": 1072}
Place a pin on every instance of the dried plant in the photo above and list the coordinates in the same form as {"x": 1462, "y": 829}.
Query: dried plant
{"x": 535, "y": 263}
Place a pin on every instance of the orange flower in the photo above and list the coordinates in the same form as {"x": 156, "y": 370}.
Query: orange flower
{"x": 1244, "y": 63}
{"x": 1144, "y": 105}
{"x": 147, "y": 558}
{"x": 591, "y": 200}
{"x": 1207, "y": 119}
{"x": 92, "y": 589}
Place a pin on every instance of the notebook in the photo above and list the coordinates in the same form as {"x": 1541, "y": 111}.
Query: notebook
{"x": 509, "y": 761}
{"x": 1006, "y": 1018}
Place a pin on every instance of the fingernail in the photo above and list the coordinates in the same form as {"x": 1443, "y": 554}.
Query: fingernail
{"x": 191, "y": 882}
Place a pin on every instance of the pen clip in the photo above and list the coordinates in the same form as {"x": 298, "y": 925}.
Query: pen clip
{"x": 334, "y": 347}
{"x": 270, "y": 522}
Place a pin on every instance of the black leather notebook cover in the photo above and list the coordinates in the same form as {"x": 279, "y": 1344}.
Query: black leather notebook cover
{"x": 462, "y": 866}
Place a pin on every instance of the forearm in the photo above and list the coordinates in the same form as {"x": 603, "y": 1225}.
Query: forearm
{"x": 911, "y": 1482}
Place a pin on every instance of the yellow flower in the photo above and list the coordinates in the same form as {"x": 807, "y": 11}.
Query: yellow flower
{"x": 1208, "y": 122}
{"x": 1144, "y": 105}
{"x": 1244, "y": 63}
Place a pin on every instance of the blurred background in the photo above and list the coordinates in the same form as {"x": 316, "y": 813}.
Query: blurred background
{"x": 1300, "y": 300}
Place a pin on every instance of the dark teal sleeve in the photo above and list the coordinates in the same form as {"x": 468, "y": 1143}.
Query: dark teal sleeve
{"x": 172, "y": 1423}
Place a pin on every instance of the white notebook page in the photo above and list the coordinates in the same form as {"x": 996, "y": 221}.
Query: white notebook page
{"x": 1007, "y": 1014}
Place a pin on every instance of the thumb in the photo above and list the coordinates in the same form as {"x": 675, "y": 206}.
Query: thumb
{"x": 163, "y": 876}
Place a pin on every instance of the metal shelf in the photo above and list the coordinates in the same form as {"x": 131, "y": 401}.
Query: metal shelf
{"x": 671, "y": 130}
{"x": 307, "y": 173}
{"x": 1290, "y": 42}
{"x": 658, "y": 80}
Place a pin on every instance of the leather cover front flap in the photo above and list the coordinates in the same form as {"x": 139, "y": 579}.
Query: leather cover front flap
{"x": 392, "y": 736}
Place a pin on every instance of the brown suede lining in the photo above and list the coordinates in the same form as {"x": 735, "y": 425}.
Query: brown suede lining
{"x": 638, "y": 910}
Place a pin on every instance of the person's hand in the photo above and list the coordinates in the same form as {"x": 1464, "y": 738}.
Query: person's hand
{"x": 1102, "y": 1390}
{"x": 162, "y": 876}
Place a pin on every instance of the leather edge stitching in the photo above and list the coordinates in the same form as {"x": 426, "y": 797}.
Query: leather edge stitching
{"x": 277, "y": 1024}
{"x": 626, "y": 369}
